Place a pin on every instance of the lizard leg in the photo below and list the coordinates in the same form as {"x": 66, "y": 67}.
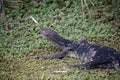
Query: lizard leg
{"x": 57, "y": 55}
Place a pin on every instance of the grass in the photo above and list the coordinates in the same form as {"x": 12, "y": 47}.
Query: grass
{"x": 22, "y": 40}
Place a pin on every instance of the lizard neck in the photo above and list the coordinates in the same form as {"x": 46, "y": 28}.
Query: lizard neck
{"x": 59, "y": 41}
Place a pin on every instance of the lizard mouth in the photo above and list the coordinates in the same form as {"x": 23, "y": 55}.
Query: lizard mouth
{"x": 43, "y": 31}
{"x": 48, "y": 33}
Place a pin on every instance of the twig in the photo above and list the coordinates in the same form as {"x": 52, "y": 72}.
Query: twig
{"x": 59, "y": 71}
{"x": 34, "y": 19}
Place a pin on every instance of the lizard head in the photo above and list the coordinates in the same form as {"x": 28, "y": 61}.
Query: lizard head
{"x": 48, "y": 33}
{"x": 54, "y": 37}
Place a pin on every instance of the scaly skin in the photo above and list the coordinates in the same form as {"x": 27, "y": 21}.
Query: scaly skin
{"x": 93, "y": 55}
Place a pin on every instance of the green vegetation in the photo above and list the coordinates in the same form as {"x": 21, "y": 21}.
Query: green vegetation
{"x": 97, "y": 21}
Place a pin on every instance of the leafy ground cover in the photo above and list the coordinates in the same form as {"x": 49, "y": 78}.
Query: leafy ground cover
{"x": 75, "y": 20}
